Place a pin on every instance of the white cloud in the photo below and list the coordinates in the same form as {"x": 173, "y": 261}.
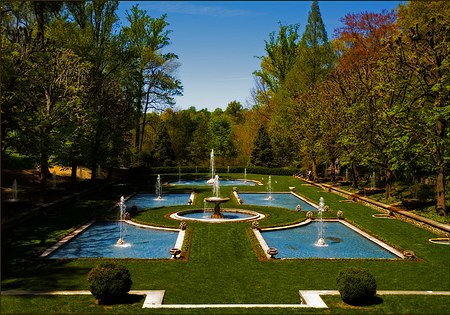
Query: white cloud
{"x": 198, "y": 9}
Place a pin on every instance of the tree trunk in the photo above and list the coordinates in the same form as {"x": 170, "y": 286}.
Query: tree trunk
{"x": 354, "y": 175}
{"x": 333, "y": 170}
{"x": 44, "y": 171}
{"x": 388, "y": 183}
{"x": 144, "y": 120}
{"x": 73, "y": 174}
{"x": 39, "y": 13}
{"x": 314, "y": 171}
{"x": 440, "y": 188}
{"x": 138, "y": 116}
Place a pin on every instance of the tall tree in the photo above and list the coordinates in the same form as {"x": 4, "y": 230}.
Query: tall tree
{"x": 222, "y": 137}
{"x": 315, "y": 54}
{"x": 106, "y": 53}
{"x": 162, "y": 152}
{"x": 155, "y": 81}
{"x": 419, "y": 63}
{"x": 199, "y": 148}
{"x": 281, "y": 54}
{"x": 315, "y": 59}
{"x": 262, "y": 154}
{"x": 235, "y": 111}
{"x": 47, "y": 83}
{"x": 360, "y": 41}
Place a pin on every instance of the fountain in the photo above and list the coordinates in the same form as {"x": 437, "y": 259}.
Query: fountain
{"x": 122, "y": 213}
{"x": 372, "y": 180}
{"x": 13, "y": 196}
{"x": 14, "y": 191}
{"x": 158, "y": 189}
{"x": 245, "y": 175}
{"x": 216, "y": 199}
{"x": 269, "y": 188}
{"x": 211, "y": 161}
{"x": 321, "y": 241}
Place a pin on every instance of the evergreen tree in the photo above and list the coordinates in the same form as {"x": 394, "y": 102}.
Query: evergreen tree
{"x": 262, "y": 154}
{"x": 315, "y": 55}
{"x": 163, "y": 154}
{"x": 199, "y": 148}
{"x": 315, "y": 60}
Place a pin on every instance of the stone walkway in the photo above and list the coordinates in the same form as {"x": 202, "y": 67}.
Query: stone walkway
{"x": 154, "y": 298}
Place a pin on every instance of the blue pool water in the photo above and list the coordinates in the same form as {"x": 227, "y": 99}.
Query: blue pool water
{"x": 207, "y": 215}
{"x": 222, "y": 182}
{"x": 99, "y": 241}
{"x": 143, "y": 201}
{"x": 283, "y": 200}
{"x": 342, "y": 242}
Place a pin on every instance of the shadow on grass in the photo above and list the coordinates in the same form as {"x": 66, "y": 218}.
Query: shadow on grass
{"x": 129, "y": 299}
{"x": 42, "y": 275}
{"x": 376, "y": 300}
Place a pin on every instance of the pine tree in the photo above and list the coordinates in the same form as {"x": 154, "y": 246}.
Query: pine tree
{"x": 163, "y": 153}
{"x": 262, "y": 153}
{"x": 315, "y": 60}
{"x": 315, "y": 55}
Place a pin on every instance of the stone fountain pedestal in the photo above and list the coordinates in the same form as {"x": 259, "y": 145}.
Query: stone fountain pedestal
{"x": 217, "y": 201}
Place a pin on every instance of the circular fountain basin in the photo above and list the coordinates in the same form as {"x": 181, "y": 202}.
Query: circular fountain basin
{"x": 229, "y": 215}
{"x": 216, "y": 199}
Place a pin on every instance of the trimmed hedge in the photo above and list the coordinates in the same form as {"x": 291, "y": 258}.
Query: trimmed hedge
{"x": 357, "y": 286}
{"x": 109, "y": 283}
{"x": 222, "y": 170}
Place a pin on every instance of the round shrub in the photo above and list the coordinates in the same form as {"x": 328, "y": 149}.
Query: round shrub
{"x": 356, "y": 286}
{"x": 109, "y": 282}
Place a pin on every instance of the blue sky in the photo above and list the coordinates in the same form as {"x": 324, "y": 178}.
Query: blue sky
{"x": 217, "y": 41}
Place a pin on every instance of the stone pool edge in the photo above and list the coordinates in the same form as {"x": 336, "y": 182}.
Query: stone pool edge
{"x": 67, "y": 238}
{"x": 371, "y": 238}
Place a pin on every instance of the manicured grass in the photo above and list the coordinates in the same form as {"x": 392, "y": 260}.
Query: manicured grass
{"x": 222, "y": 264}
{"x": 388, "y": 304}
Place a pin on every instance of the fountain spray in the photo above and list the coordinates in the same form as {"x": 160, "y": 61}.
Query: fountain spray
{"x": 122, "y": 207}
{"x": 321, "y": 240}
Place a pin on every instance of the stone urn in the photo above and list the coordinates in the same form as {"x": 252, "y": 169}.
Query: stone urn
{"x": 175, "y": 252}
{"x": 272, "y": 251}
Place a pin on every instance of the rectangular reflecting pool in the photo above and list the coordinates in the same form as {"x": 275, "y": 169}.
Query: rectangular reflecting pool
{"x": 143, "y": 201}
{"x": 99, "y": 241}
{"x": 341, "y": 242}
{"x": 282, "y": 200}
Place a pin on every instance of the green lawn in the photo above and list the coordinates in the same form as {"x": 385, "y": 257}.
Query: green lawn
{"x": 223, "y": 262}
